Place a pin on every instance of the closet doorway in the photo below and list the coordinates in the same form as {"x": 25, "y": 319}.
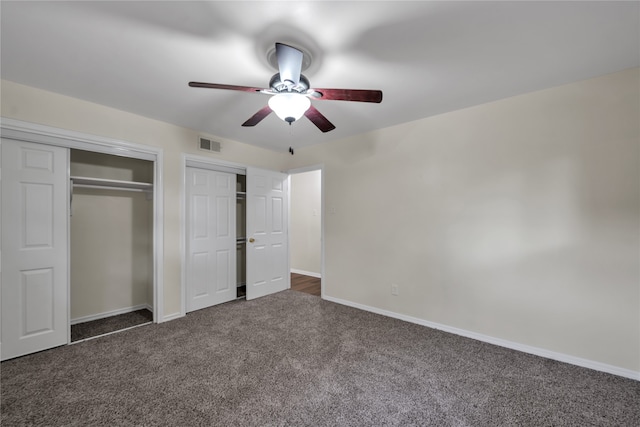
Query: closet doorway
{"x": 227, "y": 208}
{"x": 35, "y": 222}
{"x": 111, "y": 243}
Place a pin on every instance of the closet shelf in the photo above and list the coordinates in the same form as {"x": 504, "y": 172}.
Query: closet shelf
{"x": 87, "y": 182}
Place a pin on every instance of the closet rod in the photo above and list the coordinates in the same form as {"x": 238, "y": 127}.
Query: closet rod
{"x": 108, "y": 187}
{"x": 109, "y": 183}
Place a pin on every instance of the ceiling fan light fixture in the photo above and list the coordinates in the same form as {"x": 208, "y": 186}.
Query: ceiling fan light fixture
{"x": 289, "y": 106}
{"x": 290, "y": 92}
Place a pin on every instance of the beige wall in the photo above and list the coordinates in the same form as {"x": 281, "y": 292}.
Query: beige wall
{"x": 111, "y": 237}
{"x": 518, "y": 219}
{"x": 110, "y": 252}
{"x": 38, "y": 106}
{"x": 306, "y": 221}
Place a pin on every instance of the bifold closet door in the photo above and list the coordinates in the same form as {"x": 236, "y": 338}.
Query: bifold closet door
{"x": 211, "y": 238}
{"x": 267, "y": 232}
{"x": 35, "y": 202}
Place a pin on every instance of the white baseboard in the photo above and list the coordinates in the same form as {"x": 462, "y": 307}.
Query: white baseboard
{"x": 98, "y": 316}
{"x": 173, "y": 316}
{"x": 561, "y": 357}
{"x": 306, "y": 273}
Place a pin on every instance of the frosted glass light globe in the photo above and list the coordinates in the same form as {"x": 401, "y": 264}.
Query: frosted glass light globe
{"x": 289, "y": 106}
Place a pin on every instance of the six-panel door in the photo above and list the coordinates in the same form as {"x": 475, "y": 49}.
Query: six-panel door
{"x": 267, "y": 225}
{"x": 211, "y": 238}
{"x": 35, "y": 200}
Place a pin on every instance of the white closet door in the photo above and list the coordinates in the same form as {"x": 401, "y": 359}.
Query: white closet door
{"x": 35, "y": 202}
{"x": 267, "y": 233}
{"x": 211, "y": 238}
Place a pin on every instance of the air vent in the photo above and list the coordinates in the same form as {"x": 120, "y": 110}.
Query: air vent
{"x": 207, "y": 144}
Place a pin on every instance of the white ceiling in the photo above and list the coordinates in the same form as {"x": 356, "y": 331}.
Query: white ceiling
{"x": 427, "y": 57}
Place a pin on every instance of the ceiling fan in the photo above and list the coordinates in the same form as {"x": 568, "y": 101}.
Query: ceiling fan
{"x": 292, "y": 92}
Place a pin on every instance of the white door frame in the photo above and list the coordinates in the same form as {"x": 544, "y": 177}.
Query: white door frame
{"x": 310, "y": 168}
{"x": 31, "y": 132}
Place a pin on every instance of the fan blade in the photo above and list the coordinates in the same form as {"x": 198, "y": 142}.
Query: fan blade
{"x": 228, "y": 87}
{"x": 360, "y": 95}
{"x": 257, "y": 117}
{"x": 289, "y": 63}
{"x": 318, "y": 119}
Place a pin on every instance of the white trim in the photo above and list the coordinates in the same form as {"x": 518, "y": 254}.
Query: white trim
{"x": 173, "y": 316}
{"x": 183, "y": 238}
{"x": 106, "y": 314}
{"x": 69, "y": 190}
{"x": 33, "y": 132}
{"x": 323, "y": 213}
{"x": 306, "y": 273}
{"x": 158, "y": 238}
{"x": 42, "y": 134}
{"x": 561, "y": 357}
{"x": 288, "y": 230}
{"x": 217, "y": 167}
{"x": 202, "y": 162}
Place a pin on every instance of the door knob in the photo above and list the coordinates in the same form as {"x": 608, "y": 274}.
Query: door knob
{"x": 251, "y": 240}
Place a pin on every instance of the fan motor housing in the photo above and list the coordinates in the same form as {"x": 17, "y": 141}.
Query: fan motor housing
{"x": 287, "y": 86}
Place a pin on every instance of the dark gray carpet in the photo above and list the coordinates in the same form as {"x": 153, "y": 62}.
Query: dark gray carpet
{"x": 292, "y": 359}
{"x": 94, "y": 328}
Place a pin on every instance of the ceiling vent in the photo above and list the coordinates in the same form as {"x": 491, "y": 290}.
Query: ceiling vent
{"x": 208, "y": 144}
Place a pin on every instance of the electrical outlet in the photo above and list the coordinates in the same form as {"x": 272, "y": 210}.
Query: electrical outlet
{"x": 394, "y": 289}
